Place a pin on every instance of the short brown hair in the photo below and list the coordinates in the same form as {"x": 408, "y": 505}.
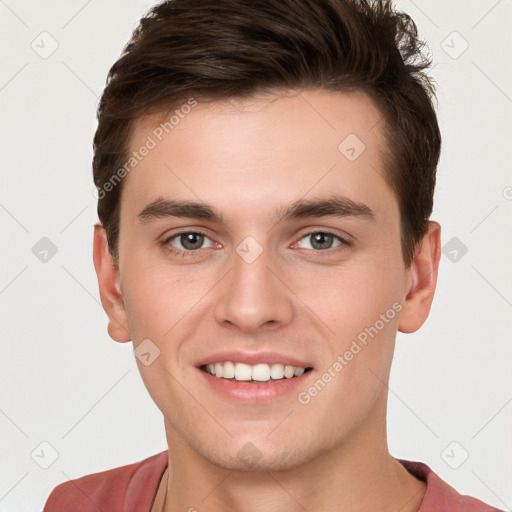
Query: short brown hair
{"x": 220, "y": 49}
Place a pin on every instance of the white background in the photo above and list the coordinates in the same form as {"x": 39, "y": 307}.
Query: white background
{"x": 66, "y": 383}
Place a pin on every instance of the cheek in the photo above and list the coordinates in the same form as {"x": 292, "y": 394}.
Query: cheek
{"x": 159, "y": 296}
{"x": 353, "y": 297}
{"x": 360, "y": 306}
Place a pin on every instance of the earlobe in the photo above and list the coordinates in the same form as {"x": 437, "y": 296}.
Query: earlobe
{"x": 422, "y": 280}
{"x": 110, "y": 287}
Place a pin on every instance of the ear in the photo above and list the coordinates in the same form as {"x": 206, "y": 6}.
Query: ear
{"x": 421, "y": 281}
{"x": 110, "y": 287}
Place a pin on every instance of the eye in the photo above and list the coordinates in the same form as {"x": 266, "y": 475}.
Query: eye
{"x": 321, "y": 241}
{"x": 188, "y": 241}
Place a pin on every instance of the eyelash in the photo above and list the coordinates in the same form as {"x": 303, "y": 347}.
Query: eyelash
{"x": 344, "y": 243}
{"x": 166, "y": 243}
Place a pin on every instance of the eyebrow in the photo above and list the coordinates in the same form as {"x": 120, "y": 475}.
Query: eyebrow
{"x": 336, "y": 206}
{"x": 162, "y": 208}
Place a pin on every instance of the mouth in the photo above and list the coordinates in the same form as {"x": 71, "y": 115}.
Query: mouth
{"x": 261, "y": 372}
{"x": 254, "y": 378}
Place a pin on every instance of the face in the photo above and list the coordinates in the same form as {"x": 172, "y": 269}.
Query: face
{"x": 261, "y": 238}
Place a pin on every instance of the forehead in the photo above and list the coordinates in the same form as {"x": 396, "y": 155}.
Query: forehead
{"x": 271, "y": 149}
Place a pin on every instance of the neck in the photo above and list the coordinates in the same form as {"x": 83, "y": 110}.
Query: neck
{"x": 359, "y": 474}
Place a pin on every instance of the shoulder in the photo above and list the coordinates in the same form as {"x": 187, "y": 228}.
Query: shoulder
{"x": 122, "y": 489}
{"x": 440, "y": 496}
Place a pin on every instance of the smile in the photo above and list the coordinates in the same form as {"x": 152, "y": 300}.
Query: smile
{"x": 261, "y": 372}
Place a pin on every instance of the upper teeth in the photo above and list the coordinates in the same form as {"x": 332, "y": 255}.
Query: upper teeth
{"x": 260, "y": 372}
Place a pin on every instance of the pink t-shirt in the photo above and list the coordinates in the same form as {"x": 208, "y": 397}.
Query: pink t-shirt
{"x": 133, "y": 488}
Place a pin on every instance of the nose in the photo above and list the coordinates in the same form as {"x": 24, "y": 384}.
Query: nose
{"x": 252, "y": 297}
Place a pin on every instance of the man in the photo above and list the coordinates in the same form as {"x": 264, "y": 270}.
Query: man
{"x": 265, "y": 174}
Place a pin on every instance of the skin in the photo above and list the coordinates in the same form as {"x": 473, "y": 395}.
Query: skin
{"x": 248, "y": 159}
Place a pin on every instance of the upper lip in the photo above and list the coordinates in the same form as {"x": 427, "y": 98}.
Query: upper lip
{"x": 253, "y": 358}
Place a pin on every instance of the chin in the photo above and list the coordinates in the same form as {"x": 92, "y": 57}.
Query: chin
{"x": 251, "y": 458}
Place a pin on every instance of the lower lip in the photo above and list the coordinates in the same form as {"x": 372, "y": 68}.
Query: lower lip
{"x": 250, "y": 392}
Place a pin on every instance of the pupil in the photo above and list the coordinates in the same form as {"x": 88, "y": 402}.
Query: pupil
{"x": 322, "y": 241}
{"x": 192, "y": 240}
